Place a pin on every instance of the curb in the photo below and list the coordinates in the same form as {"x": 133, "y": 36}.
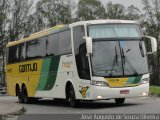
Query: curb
{"x": 154, "y": 95}
{"x": 13, "y": 115}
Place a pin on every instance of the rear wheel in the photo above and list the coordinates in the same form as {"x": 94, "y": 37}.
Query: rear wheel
{"x": 20, "y": 96}
{"x": 120, "y": 100}
{"x": 72, "y": 98}
{"x": 25, "y": 95}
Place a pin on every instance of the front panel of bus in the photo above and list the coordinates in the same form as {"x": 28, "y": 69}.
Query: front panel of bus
{"x": 118, "y": 63}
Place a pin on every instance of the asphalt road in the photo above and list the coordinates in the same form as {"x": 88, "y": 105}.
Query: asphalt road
{"x": 147, "y": 105}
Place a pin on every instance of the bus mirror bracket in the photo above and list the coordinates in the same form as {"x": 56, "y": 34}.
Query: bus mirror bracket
{"x": 89, "y": 44}
{"x": 153, "y": 44}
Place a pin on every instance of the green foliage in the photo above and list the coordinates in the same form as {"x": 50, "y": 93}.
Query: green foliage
{"x": 154, "y": 89}
{"x": 151, "y": 23}
{"x": 19, "y": 14}
{"x": 90, "y": 10}
{"x": 53, "y": 12}
{"x": 132, "y": 13}
{"x": 115, "y": 11}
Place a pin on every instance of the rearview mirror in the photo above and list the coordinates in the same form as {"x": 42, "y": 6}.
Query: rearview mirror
{"x": 89, "y": 45}
{"x": 153, "y": 44}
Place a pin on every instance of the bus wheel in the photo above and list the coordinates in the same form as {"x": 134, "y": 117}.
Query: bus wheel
{"x": 72, "y": 98}
{"x": 20, "y": 96}
{"x": 25, "y": 95}
{"x": 119, "y": 100}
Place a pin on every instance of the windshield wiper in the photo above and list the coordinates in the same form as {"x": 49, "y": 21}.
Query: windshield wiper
{"x": 125, "y": 60}
{"x": 115, "y": 60}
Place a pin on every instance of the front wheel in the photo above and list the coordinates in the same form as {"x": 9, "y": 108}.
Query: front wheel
{"x": 72, "y": 98}
{"x": 120, "y": 100}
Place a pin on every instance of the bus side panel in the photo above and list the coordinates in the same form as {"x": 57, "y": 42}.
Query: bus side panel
{"x": 66, "y": 72}
{"x": 27, "y": 73}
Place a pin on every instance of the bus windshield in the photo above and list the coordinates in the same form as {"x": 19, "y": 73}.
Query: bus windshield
{"x": 115, "y": 31}
{"x": 119, "y": 56}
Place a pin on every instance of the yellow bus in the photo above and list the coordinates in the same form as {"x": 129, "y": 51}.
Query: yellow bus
{"x": 86, "y": 60}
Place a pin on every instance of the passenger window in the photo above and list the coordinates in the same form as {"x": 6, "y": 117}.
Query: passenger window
{"x": 65, "y": 42}
{"x": 41, "y": 47}
{"x": 31, "y": 49}
{"x": 13, "y": 54}
{"x": 22, "y": 52}
{"x": 52, "y": 45}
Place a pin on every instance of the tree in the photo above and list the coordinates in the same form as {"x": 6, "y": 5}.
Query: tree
{"x": 152, "y": 17}
{"x": 132, "y": 13}
{"x": 151, "y": 23}
{"x": 54, "y": 12}
{"x": 90, "y": 10}
{"x": 4, "y": 5}
{"x": 20, "y": 10}
{"x": 115, "y": 11}
{"x": 3, "y": 18}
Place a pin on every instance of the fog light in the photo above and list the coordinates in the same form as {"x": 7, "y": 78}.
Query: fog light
{"x": 99, "y": 97}
{"x": 144, "y": 94}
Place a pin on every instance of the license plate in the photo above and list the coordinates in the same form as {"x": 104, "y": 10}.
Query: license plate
{"x": 124, "y": 92}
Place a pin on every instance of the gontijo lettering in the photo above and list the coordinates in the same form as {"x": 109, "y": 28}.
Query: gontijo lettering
{"x": 28, "y": 67}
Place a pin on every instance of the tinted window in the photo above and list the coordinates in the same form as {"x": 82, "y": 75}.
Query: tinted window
{"x": 115, "y": 31}
{"x": 22, "y": 52}
{"x": 80, "y": 52}
{"x": 13, "y": 54}
{"x": 64, "y": 42}
{"x": 78, "y": 34}
{"x": 52, "y": 44}
{"x": 41, "y": 47}
{"x": 31, "y": 49}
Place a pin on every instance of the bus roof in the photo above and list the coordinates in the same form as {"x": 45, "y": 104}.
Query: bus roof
{"x": 39, "y": 34}
{"x": 103, "y": 21}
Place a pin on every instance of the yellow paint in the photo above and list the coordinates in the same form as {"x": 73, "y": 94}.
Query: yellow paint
{"x": 84, "y": 91}
{"x": 30, "y": 78}
{"x": 116, "y": 82}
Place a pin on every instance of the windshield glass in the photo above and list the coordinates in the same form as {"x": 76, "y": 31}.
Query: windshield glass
{"x": 118, "y": 58}
{"x": 115, "y": 31}
{"x": 134, "y": 62}
{"x": 106, "y": 59}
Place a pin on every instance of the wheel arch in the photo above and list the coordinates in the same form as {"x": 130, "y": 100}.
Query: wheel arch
{"x": 17, "y": 88}
{"x": 68, "y": 83}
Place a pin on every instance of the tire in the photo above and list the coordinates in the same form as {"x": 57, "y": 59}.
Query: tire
{"x": 20, "y": 96}
{"x": 25, "y": 95}
{"x": 72, "y": 98}
{"x": 120, "y": 100}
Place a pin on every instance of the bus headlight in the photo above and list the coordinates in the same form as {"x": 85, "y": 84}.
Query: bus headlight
{"x": 99, "y": 83}
{"x": 144, "y": 81}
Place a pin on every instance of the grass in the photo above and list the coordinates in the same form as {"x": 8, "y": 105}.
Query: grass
{"x": 154, "y": 90}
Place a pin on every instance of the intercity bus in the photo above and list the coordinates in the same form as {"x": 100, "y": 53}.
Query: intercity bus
{"x": 86, "y": 60}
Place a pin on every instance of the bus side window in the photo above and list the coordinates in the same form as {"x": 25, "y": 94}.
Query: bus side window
{"x": 83, "y": 62}
{"x": 41, "y": 47}
{"x": 52, "y": 45}
{"x": 64, "y": 42}
{"x": 22, "y": 52}
{"x": 80, "y": 53}
{"x": 13, "y": 54}
{"x": 31, "y": 49}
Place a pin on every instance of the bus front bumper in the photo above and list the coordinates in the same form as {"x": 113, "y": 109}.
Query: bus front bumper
{"x": 101, "y": 93}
